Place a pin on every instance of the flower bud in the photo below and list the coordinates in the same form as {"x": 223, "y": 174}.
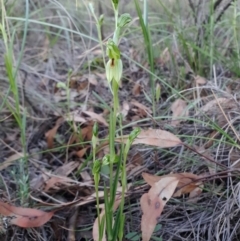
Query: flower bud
{"x": 113, "y": 51}
{"x": 115, "y": 4}
{"x": 124, "y": 19}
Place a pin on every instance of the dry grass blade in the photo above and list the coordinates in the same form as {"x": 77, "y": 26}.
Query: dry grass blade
{"x": 10, "y": 160}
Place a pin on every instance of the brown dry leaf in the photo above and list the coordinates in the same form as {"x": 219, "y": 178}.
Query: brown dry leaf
{"x": 194, "y": 194}
{"x": 51, "y": 133}
{"x": 25, "y": 217}
{"x": 154, "y": 137}
{"x": 10, "y": 160}
{"x": 187, "y": 181}
{"x": 179, "y": 110}
{"x": 96, "y": 117}
{"x": 84, "y": 135}
{"x": 200, "y": 80}
{"x": 153, "y": 202}
{"x": 78, "y": 83}
{"x": 86, "y": 132}
{"x": 137, "y": 88}
{"x": 157, "y": 137}
{"x": 82, "y": 152}
{"x": 142, "y": 111}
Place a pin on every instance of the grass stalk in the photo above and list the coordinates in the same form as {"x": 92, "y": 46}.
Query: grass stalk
{"x": 148, "y": 46}
{"x": 19, "y": 117}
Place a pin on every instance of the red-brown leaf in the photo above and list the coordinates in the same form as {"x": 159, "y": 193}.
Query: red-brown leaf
{"x": 25, "y": 217}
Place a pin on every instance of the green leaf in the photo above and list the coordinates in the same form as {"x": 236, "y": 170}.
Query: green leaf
{"x": 133, "y": 236}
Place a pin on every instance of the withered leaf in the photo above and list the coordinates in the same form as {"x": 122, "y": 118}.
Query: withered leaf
{"x": 153, "y": 202}
{"x": 25, "y": 217}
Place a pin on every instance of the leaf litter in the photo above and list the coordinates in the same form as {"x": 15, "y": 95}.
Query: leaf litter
{"x": 58, "y": 170}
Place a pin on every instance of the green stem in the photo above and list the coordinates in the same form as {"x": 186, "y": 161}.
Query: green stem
{"x": 97, "y": 199}
{"x": 116, "y": 35}
{"x": 113, "y": 122}
{"x": 96, "y": 181}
